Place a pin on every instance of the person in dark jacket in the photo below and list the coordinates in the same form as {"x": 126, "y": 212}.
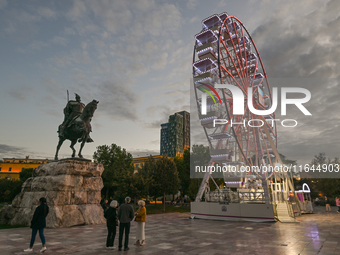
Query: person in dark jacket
{"x": 125, "y": 216}
{"x": 38, "y": 223}
{"x": 105, "y": 205}
{"x": 111, "y": 223}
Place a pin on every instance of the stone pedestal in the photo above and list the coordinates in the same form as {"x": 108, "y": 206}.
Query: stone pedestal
{"x": 72, "y": 189}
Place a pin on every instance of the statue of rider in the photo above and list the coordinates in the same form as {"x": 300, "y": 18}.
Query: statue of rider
{"x": 73, "y": 110}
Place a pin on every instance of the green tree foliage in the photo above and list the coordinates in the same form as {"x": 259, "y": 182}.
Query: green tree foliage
{"x": 139, "y": 187}
{"x": 146, "y": 174}
{"x": 183, "y": 168}
{"x": 132, "y": 185}
{"x": 118, "y": 170}
{"x": 25, "y": 174}
{"x": 164, "y": 177}
{"x": 9, "y": 189}
{"x": 193, "y": 187}
{"x": 200, "y": 155}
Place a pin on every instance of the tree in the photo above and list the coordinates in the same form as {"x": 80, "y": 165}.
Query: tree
{"x": 164, "y": 178}
{"x": 118, "y": 170}
{"x": 146, "y": 172}
{"x": 183, "y": 168}
{"x": 139, "y": 186}
{"x": 200, "y": 155}
{"x": 9, "y": 189}
{"x": 193, "y": 187}
{"x": 25, "y": 174}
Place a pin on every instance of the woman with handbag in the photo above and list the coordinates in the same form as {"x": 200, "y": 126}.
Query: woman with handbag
{"x": 140, "y": 219}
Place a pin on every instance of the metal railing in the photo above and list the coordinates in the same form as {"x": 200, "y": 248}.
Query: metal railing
{"x": 228, "y": 196}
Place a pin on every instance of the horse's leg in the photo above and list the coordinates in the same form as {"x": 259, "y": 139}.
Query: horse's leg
{"x": 81, "y": 147}
{"x": 61, "y": 140}
{"x": 73, "y": 142}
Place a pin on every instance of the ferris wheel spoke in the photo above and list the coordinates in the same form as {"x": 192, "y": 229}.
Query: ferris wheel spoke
{"x": 235, "y": 68}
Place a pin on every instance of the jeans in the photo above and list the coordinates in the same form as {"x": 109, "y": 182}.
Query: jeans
{"x": 122, "y": 227}
{"x": 34, "y": 233}
{"x": 111, "y": 234}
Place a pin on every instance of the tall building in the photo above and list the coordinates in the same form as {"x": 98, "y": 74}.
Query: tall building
{"x": 164, "y": 139}
{"x": 175, "y": 135}
{"x": 186, "y": 129}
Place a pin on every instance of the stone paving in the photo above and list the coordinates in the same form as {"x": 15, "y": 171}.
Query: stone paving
{"x": 175, "y": 233}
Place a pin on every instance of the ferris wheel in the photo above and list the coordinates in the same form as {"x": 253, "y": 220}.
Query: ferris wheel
{"x": 225, "y": 54}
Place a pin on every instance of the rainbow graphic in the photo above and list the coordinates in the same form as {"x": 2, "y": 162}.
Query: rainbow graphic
{"x": 209, "y": 93}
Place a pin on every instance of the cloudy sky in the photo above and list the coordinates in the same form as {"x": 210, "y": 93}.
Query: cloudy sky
{"x": 135, "y": 58}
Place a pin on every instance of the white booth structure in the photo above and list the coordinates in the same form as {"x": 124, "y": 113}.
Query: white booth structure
{"x": 305, "y": 200}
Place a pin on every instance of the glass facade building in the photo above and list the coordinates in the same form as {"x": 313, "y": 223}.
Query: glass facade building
{"x": 175, "y": 135}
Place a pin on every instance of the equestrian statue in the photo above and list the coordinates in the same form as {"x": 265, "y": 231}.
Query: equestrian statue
{"x": 76, "y": 125}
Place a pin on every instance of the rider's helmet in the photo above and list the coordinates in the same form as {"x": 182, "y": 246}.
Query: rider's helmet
{"x": 77, "y": 97}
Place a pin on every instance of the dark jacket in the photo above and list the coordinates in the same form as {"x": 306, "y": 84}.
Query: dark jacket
{"x": 39, "y": 217}
{"x": 105, "y": 206}
{"x": 125, "y": 213}
{"x": 111, "y": 217}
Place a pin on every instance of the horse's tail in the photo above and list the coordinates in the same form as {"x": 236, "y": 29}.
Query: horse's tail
{"x": 88, "y": 140}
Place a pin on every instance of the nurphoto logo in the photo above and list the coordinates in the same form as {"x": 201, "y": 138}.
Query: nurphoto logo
{"x": 238, "y": 104}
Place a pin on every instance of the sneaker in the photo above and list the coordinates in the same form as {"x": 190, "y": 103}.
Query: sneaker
{"x": 142, "y": 243}
{"x": 43, "y": 249}
{"x": 137, "y": 243}
{"x": 28, "y": 249}
{"x": 126, "y": 249}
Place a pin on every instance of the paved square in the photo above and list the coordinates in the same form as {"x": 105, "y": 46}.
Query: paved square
{"x": 175, "y": 233}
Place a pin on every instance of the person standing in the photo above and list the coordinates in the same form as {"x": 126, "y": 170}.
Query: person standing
{"x": 111, "y": 223}
{"x": 337, "y": 200}
{"x": 105, "y": 205}
{"x": 328, "y": 204}
{"x": 125, "y": 216}
{"x": 38, "y": 223}
{"x": 140, "y": 219}
{"x": 317, "y": 201}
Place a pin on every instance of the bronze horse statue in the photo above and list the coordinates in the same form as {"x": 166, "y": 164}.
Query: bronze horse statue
{"x": 78, "y": 130}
